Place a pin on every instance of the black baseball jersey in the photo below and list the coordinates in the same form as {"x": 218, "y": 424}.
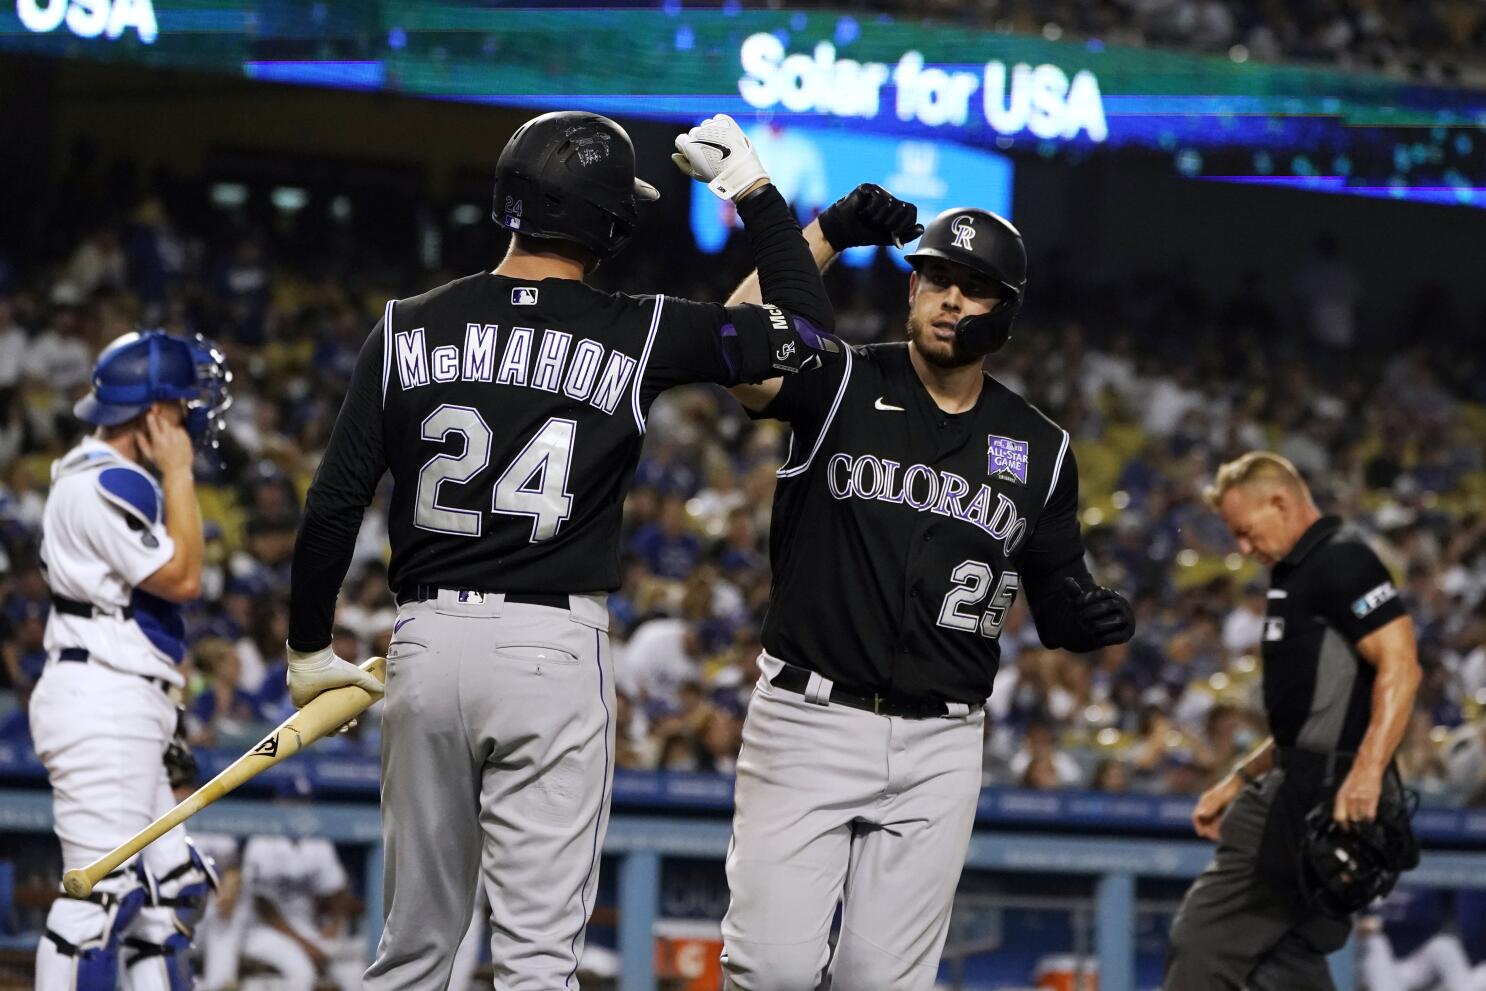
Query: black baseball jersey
{"x": 901, "y": 535}
{"x": 510, "y": 413}
{"x": 1329, "y": 592}
{"x": 511, "y": 416}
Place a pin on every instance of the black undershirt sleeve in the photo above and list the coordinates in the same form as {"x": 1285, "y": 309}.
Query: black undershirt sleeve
{"x": 787, "y": 273}
{"x": 353, "y": 463}
{"x": 1056, "y": 551}
{"x": 687, "y": 348}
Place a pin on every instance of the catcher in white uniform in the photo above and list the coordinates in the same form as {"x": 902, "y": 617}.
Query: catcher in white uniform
{"x": 122, "y": 547}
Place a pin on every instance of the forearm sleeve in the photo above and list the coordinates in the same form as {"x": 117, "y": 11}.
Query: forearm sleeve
{"x": 788, "y": 275}
{"x": 760, "y": 342}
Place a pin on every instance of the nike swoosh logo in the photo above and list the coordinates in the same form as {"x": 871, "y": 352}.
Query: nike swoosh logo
{"x": 402, "y": 622}
{"x": 726, "y": 151}
{"x": 886, "y": 406}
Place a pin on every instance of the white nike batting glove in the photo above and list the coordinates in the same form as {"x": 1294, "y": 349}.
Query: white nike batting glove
{"x": 321, "y": 670}
{"x": 718, "y": 153}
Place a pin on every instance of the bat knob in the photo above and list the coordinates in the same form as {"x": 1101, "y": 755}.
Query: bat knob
{"x": 76, "y": 884}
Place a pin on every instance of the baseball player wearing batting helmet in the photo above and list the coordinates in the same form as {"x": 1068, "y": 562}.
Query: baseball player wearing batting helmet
{"x": 510, "y": 407}
{"x": 122, "y": 549}
{"x": 925, "y": 496}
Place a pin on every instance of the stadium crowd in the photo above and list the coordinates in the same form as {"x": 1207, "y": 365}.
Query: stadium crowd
{"x": 1437, "y": 40}
{"x": 1391, "y": 436}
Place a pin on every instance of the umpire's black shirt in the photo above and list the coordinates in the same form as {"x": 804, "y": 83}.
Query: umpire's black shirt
{"x": 1329, "y": 592}
{"x": 901, "y": 534}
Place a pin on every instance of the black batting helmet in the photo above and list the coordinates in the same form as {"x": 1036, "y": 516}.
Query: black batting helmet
{"x": 986, "y": 243}
{"x": 570, "y": 175}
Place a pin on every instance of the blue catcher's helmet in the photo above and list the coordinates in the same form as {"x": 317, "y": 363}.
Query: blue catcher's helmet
{"x": 150, "y": 366}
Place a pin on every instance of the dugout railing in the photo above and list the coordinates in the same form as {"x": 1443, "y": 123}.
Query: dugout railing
{"x": 1004, "y": 843}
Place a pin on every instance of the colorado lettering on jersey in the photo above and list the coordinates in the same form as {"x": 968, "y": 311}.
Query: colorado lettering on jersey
{"x": 926, "y": 489}
{"x": 582, "y": 371}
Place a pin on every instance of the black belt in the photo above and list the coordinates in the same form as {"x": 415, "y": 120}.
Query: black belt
{"x": 72, "y": 607}
{"x": 796, "y": 679}
{"x": 80, "y": 655}
{"x": 422, "y": 593}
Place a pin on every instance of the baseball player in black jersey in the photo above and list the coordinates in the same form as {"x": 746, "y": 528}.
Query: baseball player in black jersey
{"x": 509, "y": 407}
{"x": 919, "y": 497}
{"x": 1340, "y": 675}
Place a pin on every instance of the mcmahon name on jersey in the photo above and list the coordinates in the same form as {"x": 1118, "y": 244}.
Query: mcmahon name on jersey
{"x": 587, "y": 372}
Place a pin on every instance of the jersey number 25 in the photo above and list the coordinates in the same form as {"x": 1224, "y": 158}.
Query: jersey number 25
{"x": 534, "y": 484}
{"x": 972, "y": 582}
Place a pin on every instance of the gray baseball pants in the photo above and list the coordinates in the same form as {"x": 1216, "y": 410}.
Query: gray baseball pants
{"x": 839, "y": 804}
{"x": 497, "y": 743}
{"x": 1234, "y": 930}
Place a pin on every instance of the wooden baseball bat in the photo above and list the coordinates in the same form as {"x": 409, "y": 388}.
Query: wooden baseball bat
{"x": 323, "y": 714}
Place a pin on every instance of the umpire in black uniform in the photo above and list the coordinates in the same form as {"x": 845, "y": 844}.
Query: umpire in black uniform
{"x": 1339, "y": 678}
{"x": 919, "y": 497}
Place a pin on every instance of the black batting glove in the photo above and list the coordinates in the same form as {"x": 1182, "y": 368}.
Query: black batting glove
{"x": 869, "y": 214}
{"x": 1101, "y": 613}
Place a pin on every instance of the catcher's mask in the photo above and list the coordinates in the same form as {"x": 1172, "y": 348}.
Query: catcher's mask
{"x": 1345, "y": 869}
{"x": 148, "y": 366}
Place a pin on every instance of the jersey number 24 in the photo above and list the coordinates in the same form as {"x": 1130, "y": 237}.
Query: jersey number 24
{"x": 534, "y": 484}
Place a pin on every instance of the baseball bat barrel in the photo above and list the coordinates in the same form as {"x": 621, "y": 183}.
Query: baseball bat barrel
{"x": 321, "y": 715}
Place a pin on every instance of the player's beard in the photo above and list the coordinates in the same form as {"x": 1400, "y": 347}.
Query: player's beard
{"x": 940, "y": 354}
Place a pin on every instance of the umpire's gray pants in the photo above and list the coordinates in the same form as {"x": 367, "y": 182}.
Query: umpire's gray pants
{"x": 1234, "y": 930}
{"x": 496, "y": 743}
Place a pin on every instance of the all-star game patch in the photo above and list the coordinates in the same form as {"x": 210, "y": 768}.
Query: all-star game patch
{"x": 1007, "y": 459}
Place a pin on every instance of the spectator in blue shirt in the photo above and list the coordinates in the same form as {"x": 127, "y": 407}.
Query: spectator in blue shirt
{"x": 666, "y": 546}
{"x": 221, "y": 707}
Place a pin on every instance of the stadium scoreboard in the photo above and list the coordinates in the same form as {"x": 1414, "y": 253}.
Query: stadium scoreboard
{"x": 1228, "y": 118}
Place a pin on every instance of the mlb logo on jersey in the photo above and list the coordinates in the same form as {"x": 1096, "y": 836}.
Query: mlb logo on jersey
{"x": 1274, "y": 629}
{"x": 523, "y": 296}
{"x": 1007, "y": 459}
